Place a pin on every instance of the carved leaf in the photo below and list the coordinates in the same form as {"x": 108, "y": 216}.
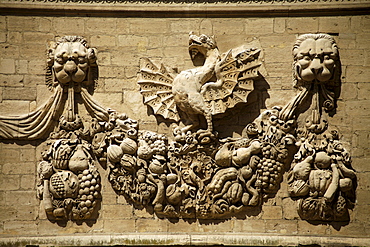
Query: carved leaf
{"x": 156, "y": 88}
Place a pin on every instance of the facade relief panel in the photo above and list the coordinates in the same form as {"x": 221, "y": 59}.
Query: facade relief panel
{"x": 191, "y": 172}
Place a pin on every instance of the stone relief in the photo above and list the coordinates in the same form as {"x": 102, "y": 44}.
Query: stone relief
{"x": 191, "y": 173}
{"x": 321, "y": 173}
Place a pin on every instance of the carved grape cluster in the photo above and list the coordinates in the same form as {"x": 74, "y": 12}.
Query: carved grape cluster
{"x": 88, "y": 194}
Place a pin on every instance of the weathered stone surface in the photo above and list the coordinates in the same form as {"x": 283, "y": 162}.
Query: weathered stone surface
{"x": 121, "y": 42}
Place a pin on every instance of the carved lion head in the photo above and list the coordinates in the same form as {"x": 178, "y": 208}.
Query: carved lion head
{"x": 70, "y": 59}
{"x": 316, "y": 59}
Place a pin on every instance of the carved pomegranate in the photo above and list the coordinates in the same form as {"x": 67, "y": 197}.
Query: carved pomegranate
{"x": 79, "y": 160}
{"x": 114, "y": 153}
{"x": 64, "y": 184}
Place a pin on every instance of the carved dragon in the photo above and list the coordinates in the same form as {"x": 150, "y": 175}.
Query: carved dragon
{"x": 192, "y": 91}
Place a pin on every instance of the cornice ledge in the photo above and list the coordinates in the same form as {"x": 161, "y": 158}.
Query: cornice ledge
{"x": 185, "y": 8}
{"x": 168, "y": 239}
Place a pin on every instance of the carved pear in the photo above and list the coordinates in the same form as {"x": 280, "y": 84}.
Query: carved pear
{"x": 302, "y": 170}
{"x": 223, "y": 156}
{"x": 241, "y": 156}
{"x": 79, "y": 160}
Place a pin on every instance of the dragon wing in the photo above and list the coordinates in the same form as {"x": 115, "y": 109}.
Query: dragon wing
{"x": 156, "y": 88}
{"x": 236, "y": 72}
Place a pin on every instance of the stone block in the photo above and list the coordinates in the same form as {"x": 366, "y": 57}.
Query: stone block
{"x": 272, "y": 212}
{"x": 184, "y": 26}
{"x": 136, "y": 41}
{"x": 144, "y": 213}
{"x": 352, "y": 57}
{"x": 14, "y": 37}
{"x": 119, "y": 226}
{"x": 28, "y": 182}
{"x": 45, "y": 25}
{"x": 3, "y": 37}
{"x": 22, "y": 23}
{"x": 37, "y": 67}
{"x": 362, "y": 40}
{"x": 122, "y": 26}
{"x": 216, "y": 226}
{"x": 101, "y": 25}
{"x": 114, "y": 101}
{"x": 206, "y": 27}
{"x": 282, "y": 226}
{"x": 363, "y": 90}
{"x": 357, "y": 73}
{"x": 357, "y": 107}
{"x": 353, "y": 229}
{"x": 117, "y": 212}
{"x": 306, "y": 228}
{"x": 7, "y": 107}
{"x": 21, "y": 198}
{"x": 9, "y": 182}
{"x": 69, "y": 26}
{"x": 37, "y": 37}
{"x": 302, "y": 25}
{"x": 228, "y": 27}
{"x": 363, "y": 195}
{"x": 151, "y": 225}
{"x": 114, "y": 85}
{"x": 19, "y": 168}
{"x": 9, "y": 51}
{"x": 356, "y": 24}
{"x": 109, "y": 197}
{"x": 346, "y": 41}
{"x": 10, "y": 155}
{"x": 126, "y": 57}
{"x": 334, "y": 24}
{"x": 8, "y": 213}
{"x": 111, "y": 72}
{"x": 361, "y": 123}
{"x": 33, "y": 80}
{"x": 290, "y": 209}
{"x": 44, "y": 227}
{"x": 249, "y": 226}
{"x": 349, "y": 91}
{"x": 19, "y": 93}
{"x": 279, "y": 25}
{"x": 259, "y": 26}
{"x": 133, "y": 101}
{"x": 183, "y": 226}
{"x": 21, "y": 66}
{"x": 176, "y": 40}
{"x": 103, "y": 41}
{"x": 148, "y": 26}
{"x": 7, "y": 66}
{"x": 104, "y": 58}
{"x": 2, "y": 23}
{"x": 33, "y": 52}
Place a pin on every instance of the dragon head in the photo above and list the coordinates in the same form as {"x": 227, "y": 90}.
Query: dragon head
{"x": 200, "y": 45}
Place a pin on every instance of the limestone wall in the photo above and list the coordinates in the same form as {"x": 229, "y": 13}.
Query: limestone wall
{"x": 120, "y": 43}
